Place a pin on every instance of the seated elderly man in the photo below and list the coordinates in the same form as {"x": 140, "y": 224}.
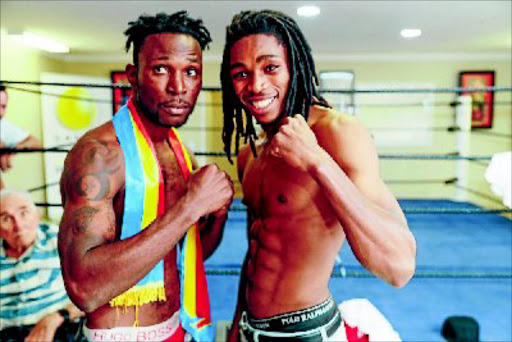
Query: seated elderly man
{"x": 34, "y": 305}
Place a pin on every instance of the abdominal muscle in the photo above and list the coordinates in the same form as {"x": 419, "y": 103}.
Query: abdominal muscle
{"x": 290, "y": 263}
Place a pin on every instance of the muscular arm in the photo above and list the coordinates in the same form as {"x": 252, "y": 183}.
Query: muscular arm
{"x": 96, "y": 267}
{"x": 344, "y": 163}
{"x": 375, "y": 226}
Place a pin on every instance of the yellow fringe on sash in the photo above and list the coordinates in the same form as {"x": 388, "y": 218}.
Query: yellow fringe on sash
{"x": 138, "y": 296}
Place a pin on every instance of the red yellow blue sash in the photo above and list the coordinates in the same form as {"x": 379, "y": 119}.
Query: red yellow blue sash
{"x": 143, "y": 201}
{"x": 195, "y": 304}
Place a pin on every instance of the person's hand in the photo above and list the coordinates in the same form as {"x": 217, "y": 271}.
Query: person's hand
{"x": 211, "y": 190}
{"x": 46, "y": 328}
{"x": 295, "y": 143}
{"x": 5, "y": 159}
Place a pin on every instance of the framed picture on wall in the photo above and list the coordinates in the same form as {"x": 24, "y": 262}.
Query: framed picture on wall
{"x": 482, "y": 102}
{"x": 119, "y": 95}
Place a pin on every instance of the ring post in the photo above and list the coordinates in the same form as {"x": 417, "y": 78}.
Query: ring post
{"x": 463, "y": 122}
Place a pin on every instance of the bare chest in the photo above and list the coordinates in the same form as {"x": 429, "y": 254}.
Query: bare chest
{"x": 272, "y": 188}
{"x": 173, "y": 177}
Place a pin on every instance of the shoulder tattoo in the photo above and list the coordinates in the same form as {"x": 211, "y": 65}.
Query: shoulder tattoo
{"x": 100, "y": 160}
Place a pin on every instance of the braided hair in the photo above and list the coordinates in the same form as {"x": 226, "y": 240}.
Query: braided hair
{"x": 178, "y": 22}
{"x": 302, "y": 92}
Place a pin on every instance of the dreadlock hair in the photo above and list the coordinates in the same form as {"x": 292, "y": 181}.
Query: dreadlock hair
{"x": 179, "y": 22}
{"x": 302, "y": 92}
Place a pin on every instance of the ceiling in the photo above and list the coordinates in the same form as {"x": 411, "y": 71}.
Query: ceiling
{"x": 94, "y": 29}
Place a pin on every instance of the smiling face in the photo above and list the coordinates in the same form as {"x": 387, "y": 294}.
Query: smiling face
{"x": 168, "y": 77}
{"x": 260, "y": 75}
{"x": 19, "y": 219}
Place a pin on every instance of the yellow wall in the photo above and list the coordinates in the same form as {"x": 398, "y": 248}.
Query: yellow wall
{"x": 439, "y": 74}
{"x": 24, "y": 109}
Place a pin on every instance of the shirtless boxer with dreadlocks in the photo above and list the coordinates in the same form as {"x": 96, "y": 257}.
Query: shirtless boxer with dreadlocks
{"x": 310, "y": 183}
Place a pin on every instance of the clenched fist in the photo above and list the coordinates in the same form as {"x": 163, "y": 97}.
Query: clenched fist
{"x": 295, "y": 143}
{"x": 210, "y": 190}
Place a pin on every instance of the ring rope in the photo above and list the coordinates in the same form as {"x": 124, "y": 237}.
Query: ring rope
{"x": 42, "y": 187}
{"x": 418, "y": 181}
{"x": 89, "y": 99}
{"x": 237, "y": 182}
{"x": 449, "y": 156}
{"x": 78, "y": 98}
{"x": 433, "y": 128}
{"x": 477, "y": 162}
{"x": 451, "y": 129}
{"x": 365, "y": 274}
{"x": 333, "y": 104}
{"x": 426, "y": 210}
{"x": 346, "y": 91}
{"x": 475, "y": 192}
{"x": 32, "y": 150}
{"x": 414, "y": 104}
{"x": 494, "y": 134}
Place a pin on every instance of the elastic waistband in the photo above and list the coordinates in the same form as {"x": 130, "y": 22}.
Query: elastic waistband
{"x": 301, "y": 320}
{"x": 156, "y": 332}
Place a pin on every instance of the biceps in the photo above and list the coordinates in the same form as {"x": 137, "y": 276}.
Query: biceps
{"x": 84, "y": 227}
{"x": 375, "y": 190}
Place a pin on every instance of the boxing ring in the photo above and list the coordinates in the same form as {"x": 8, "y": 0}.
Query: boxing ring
{"x": 464, "y": 249}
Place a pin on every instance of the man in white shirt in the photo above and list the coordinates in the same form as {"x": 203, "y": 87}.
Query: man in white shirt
{"x": 11, "y": 136}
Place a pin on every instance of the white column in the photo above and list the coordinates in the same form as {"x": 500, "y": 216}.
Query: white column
{"x": 463, "y": 121}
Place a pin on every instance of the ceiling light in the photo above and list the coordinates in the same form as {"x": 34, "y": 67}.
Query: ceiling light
{"x": 410, "y": 33}
{"x": 308, "y": 11}
{"x": 39, "y": 42}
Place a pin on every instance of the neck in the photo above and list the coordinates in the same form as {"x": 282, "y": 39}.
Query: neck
{"x": 156, "y": 132}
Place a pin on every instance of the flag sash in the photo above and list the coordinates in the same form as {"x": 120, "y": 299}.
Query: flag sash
{"x": 143, "y": 200}
{"x": 195, "y": 304}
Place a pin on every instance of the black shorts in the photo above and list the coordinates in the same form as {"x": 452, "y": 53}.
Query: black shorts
{"x": 303, "y": 325}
